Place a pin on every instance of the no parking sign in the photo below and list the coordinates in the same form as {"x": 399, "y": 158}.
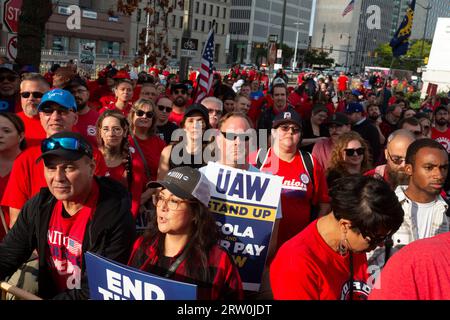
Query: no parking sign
{"x": 11, "y": 46}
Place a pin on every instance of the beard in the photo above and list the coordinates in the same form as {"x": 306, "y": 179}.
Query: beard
{"x": 396, "y": 178}
{"x": 373, "y": 117}
{"x": 441, "y": 122}
{"x": 179, "y": 102}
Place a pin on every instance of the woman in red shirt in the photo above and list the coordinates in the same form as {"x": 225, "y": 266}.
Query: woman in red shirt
{"x": 123, "y": 162}
{"x": 327, "y": 260}
{"x": 12, "y": 142}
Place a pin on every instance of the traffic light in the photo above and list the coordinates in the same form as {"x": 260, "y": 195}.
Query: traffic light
{"x": 425, "y": 60}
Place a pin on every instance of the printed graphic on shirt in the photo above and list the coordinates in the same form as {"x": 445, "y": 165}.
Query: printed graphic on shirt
{"x": 445, "y": 143}
{"x": 91, "y": 130}
{"x": 361, "y": 291}
{"x": 65, "y": 258}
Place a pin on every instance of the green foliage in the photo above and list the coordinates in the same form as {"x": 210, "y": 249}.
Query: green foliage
{"x": 410, "y": 61}
{"x": 318, "y": 57}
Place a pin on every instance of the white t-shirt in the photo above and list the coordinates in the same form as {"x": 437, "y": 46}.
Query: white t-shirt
{"x": 423, "y": 214}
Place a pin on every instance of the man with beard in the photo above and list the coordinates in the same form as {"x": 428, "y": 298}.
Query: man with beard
{"x": 179, "y": 100}
{"x": 32, "y": 88}
{"x": 393, "y": 172}
{"x": 426, "y": 165}
{"x": 441, "y": 131}
{"x": 374, "y": 117}
{"x": 87, "y": 117}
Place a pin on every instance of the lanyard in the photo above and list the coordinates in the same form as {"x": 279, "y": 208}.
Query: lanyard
{"x": 177, "y": 262}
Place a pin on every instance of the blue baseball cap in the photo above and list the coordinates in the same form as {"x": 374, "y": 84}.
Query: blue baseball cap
{"x": 62, "y": 97}
{"x": 354, "y": 107}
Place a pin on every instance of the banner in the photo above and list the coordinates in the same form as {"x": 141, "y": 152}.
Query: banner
{"x": 244, "y": 205}
{"x": 110, "y": 280}
{"x": 87, "y": 56}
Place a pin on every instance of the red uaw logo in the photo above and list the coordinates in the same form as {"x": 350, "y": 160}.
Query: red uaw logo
{"x": 445, "y": 143}
{"x": 361, "y": 291}
{"x": 91, "y": 130}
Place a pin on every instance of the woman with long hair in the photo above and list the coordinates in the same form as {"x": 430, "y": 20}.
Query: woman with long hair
{"x": 181, "y": 242}
{"x": 188, "y": 151}
{"x": 12, "y": 143}
{"x": 123, "y": 162}
{"x": 314, "y": 128}
{"x": 350, "y": 156}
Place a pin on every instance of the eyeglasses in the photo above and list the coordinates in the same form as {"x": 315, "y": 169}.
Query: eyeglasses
{"x": 375, "y": 240}
{"x": 148, "y": 114}
{"x": 233, "y": 136}
{"x": 179, "y": 92}
{"x": 10, "y": 78}
{"x": 66, "y": 143}
{"x": 351, "y": 152}
{"x": 35, "y": 94}
{"x": 213, "y": 111}
{"x": 171, "y": 203}
{"x": 162, "y": 108}
{"x": 286, "y": 128}
{"x": 396, "y": 159}
{"x": 48, "y": 110}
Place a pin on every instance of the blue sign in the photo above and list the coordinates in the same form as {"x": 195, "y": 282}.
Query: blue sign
{"x": 110, "y": 280}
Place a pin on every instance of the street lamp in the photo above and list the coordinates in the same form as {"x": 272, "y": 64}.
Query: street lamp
{"x": 348, "y": 49}
{"x": 294, "y": 63}
{"x": 427, "y": 8}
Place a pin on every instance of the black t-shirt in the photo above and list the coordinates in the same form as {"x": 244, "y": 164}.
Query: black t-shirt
{"x": 308, "y": 133}
{"x": 165, "y": 131}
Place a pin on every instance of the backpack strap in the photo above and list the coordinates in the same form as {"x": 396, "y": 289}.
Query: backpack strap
{"x": 261, "y": 157}
{"x": 144, "y": 161}
{"x": 308, "y": 162}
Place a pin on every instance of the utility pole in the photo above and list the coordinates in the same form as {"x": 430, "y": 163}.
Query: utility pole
{"x": 324, "y": 30}
{"x": 283, "y": 20}
{"x": 427, "y": 8}
{"x": 294, "y": 64}
{"x": 187, "y": 24}
{"x": 147, "y": 31}
{"x": 348, "y": 50}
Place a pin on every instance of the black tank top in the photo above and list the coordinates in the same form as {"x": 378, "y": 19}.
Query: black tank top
{"x": 190, "y": 160}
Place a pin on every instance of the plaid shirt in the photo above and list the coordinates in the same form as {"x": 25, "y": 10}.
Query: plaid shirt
{"x": 223, "y": 283}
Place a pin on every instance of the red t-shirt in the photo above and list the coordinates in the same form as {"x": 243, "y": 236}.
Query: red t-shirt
{"x": 151, "y": 148}
{"x": 5, "y": 210}
{"x": 34, "y": 132}
{"x": 342, "y": 83}
{"x": 112, "y": 106}
{"x": 441, "y": 137}
{"x": 65, "y": 241}
{"x": 139, "y": 179}
{"x": 176, "y": 117}
{"x": 306, "y": 268}
{"x": 419, "y": 271}
{"x": 86, "y": 126}
{"x": 295, "y": 193}
{"x": 27, "y": 177}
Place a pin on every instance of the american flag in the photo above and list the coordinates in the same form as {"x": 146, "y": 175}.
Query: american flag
{"x": 74, "y": 247}
{"x": 348, "y": 8}
{"x": 206, "y": 69}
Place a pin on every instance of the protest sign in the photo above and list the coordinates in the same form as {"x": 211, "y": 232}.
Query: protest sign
{"x": 109, "y": 280}
{"x": 244, "y": 204}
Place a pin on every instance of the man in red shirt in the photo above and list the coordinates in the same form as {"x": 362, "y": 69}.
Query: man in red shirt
{"x": 32, "y": 88}
{"x": 87, "y": 117}
{"x": 441, "y": 132}
{"x": 123, "y": 100}
{"x": 342, "y": 83}
{"x": 75, "y": 214}
{"x": 57, "y": 112}
{"x": 179, "y": 99}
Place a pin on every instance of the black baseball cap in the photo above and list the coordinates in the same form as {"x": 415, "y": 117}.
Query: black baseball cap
{"x": 185, "y": 183}
{"x": 339, "y": 118}
{"x": 77, "y": 82}
{"x": 70, "y": 146}
{"x": 178, "y": 86}
{"x": 287, "y": 117}
{"x": 199, "y": 108}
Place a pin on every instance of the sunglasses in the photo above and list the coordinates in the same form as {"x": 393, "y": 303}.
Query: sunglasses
{"x": 10, "y": 78}
{"x": 180, "y": 92}
{"x": 48, "y": 110}
{"x": 286, "y": 128}
{"x": 351, "y": 152}
{"x": 212, "y": 111}
{"x": 70, "y": 144}
{"x": 148, "y": 114}
{"x": 396, "y": 159}
{"x": 233, "y": 136}
{"x": 162, "y": 108}
{"x": 35, "y": 94}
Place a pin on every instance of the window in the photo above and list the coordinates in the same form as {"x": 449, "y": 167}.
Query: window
{"x": 174, "y": 17}
{"x": 181, "y": 22}
{"x": 203, "y": 26}
{"x": 197, "y": 7}
{"x": 209, "y": 25}
{"x": 110, "y": 48}
{"x": 215, "y": 30}
{"x": 223, "y": 28}
{"x": 175, "y": 48}
{"x": 224, "y": 13}
{"x": 211, "y": 10}
{"x": 196, "y": 24}
{"x": 60, "y": 43}
{"x": 216, "y": 53}
{"x": 139, "y": 15}
{"x": 204, "y": 8}
{"x": 217, "y": 11}
{"x": 157, "y": 18}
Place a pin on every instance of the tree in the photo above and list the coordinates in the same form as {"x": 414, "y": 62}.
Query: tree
{"x": 158, "y": 50}
{"x": 318, "y": 57}
{"x": 410, "y": 61}
{"x": 34, "y": 15}
{"x": 288, "y": 53}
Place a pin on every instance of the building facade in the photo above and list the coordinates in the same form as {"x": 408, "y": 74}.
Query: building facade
{"x": 439, "y": 9}
{"x": 252, "y": 22}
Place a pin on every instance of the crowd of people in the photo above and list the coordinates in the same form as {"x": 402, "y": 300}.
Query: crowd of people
{"x": 115, "y": 166}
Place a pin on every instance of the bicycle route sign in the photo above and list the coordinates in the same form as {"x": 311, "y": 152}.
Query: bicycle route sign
{"x": 189, "y": 47}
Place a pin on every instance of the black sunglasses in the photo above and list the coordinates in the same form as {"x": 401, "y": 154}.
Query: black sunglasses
{"x": 286, "y": 128}
{"x": 10, "y": 78}
{"x": 396, "y": 159}
{"x": 180, "y": 92}
{"x": 162, "y": 108}
{"x": 351, "y": 152}
{"x": 35, "y": 94}
{"x": 233, "y": 136}
{"x": 148, "y": 114}
{"x": 48, "y": 110}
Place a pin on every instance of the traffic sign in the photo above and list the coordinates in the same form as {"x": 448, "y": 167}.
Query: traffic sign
{"x": 279, "y": 53}
{"x": 11, "y": 46}
{"x": 11, "y": 13}
{"x": 189, "y": 47}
